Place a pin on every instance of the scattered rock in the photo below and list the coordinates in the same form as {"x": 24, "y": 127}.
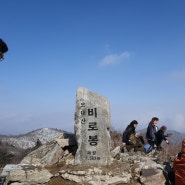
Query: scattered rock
{"x": 53, "y": 161}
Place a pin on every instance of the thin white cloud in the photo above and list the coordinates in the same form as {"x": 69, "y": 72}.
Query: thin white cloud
{"x": 114, "y": 59}
{"x": 179, "y": 74}
{"x": 178, "y": 121}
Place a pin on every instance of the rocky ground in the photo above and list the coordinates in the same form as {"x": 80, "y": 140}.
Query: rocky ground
{"x": 122, "y": 163}
{"x": 115, "y": 167}
{"x": 60, "y": 181}
{"x": 53, "y": 164}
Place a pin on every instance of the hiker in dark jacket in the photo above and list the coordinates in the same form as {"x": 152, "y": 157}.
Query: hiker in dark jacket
{"x": 151, "y": 131}
{"x": 160, "y": 136}
{"x": 3, "y": 49}
{"x": 130, "y": 139}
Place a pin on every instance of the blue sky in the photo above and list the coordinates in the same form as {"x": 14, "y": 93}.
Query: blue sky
{"x": 130, "y": 51}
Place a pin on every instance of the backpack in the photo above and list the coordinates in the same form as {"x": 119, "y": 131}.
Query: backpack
{"x": 147, "y": 148}
{"x": 132, "y": 139}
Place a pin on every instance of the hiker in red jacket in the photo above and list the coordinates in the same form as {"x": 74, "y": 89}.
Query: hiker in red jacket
{"x": 179, "y": 166}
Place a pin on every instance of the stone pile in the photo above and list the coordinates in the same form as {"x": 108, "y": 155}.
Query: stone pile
{"x": 124, "y": 168}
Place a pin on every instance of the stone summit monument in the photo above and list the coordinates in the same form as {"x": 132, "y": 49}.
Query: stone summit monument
{"x": 92, "y": 124}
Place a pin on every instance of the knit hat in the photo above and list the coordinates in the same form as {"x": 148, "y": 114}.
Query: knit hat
{"x": 163, "y": 128}
{"x": 3, "y": 46}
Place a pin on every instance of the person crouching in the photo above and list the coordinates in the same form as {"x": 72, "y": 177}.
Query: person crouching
{"x": 130, "y": 139}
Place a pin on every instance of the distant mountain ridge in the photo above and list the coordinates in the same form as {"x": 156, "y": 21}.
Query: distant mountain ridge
{"x": 45, "y": 135}
{"x": 176, "y": 137}
{"x": 29, "y": 139}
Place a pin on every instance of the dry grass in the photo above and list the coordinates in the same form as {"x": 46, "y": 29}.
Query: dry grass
{"x": 116, "y": 138}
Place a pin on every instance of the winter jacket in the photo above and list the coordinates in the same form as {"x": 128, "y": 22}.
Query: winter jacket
{"x": 160, "y": 137}
{"x": 151, "y": 131}
{"x": 179, "y": 166}
{"x": 127, "y": 133}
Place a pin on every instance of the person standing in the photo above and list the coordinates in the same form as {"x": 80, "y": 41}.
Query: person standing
{"x": 160, "y": 136}
{"x": 179, "y": 166}
{"x": 151, "y": 131}
{"x": 3, "y": 49}
{"x": 130, "y": 139}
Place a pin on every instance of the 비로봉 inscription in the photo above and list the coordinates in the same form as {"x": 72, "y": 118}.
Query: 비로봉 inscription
{"x": 92, "y": 123}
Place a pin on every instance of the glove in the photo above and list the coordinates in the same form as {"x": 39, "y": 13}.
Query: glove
{"x": 123, "y": 144}
{"x": 169, "y": 134}
{"x": 167, "y": 142}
